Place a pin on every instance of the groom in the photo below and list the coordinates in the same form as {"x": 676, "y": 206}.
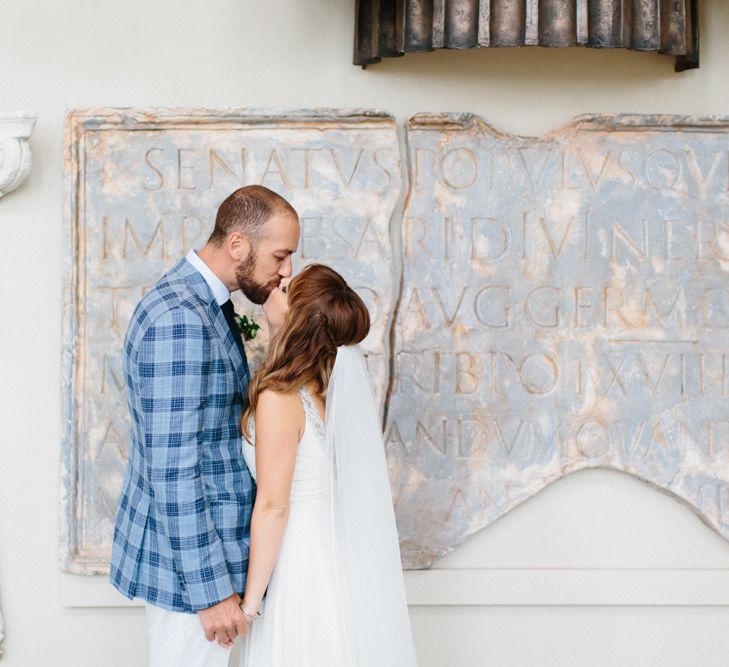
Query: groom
{"x": 182, "y": 532}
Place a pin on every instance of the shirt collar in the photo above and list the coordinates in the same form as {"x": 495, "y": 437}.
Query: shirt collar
{"x": 217, "y": 287}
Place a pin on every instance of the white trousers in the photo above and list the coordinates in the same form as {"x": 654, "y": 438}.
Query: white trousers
{"x": 178, "y": 640}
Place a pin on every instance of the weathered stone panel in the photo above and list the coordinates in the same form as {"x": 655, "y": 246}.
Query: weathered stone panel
{"x": 565, "y": 306}
{"x": 563, "y": 302}
{"x": 142, "y": 189}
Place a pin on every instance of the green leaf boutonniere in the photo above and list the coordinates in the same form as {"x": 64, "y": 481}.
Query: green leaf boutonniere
{"x": 247, "y": 325}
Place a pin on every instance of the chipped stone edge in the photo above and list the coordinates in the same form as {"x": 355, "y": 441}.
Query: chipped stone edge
{"x": 462, "y": 121}
{"x": 69, "y": 358}
{"x": 426, "y": 562}
{"x": 153, "y": 117}
{"x": 616, "y": 122}
{"x": 79, "y": 121}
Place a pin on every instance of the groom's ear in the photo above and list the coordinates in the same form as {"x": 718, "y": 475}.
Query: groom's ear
{"x": 238, "y": 246}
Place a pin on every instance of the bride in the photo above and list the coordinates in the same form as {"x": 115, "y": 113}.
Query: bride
{"x": 324, "y": 548}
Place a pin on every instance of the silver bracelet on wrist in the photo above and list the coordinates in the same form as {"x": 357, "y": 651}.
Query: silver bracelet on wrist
{"x": 253, "y": 616}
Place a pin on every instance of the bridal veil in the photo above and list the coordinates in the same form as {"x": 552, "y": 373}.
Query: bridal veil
{"x": 368, "y": 553}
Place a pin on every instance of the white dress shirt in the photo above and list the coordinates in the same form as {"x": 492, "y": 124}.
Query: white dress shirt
{"x": 216, "y": 285}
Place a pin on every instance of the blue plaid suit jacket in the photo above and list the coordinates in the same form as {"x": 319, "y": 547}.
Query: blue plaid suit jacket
{"x": 183, "y": 528}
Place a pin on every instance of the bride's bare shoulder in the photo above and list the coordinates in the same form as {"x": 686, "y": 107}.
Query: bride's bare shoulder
{"x": 270, "y": 398}
{"x": 279, "y": 410}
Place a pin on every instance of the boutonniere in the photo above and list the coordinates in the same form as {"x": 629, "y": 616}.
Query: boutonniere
{"x": 247, "y": 325}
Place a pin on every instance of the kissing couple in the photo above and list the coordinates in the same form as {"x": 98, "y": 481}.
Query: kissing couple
{"x": 302, "y": 564}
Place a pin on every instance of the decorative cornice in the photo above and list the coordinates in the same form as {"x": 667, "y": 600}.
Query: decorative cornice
{"x": 15, "y": 159}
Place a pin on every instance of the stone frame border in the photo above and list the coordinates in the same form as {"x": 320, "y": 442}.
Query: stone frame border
{"x": 78, "y": 122}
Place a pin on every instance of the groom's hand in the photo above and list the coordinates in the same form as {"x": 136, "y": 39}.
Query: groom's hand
{"x": 224, "y": 621}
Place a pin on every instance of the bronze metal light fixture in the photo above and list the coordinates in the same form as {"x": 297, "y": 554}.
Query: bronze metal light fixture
{"x": 390, "y": 28}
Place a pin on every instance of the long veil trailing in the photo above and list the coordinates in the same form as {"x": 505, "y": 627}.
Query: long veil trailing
{"x": 368, "y": 552}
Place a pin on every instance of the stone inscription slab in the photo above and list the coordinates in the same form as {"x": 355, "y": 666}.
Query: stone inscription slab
{"x": 142, "y": 189}
{"x": 565, "y": 305}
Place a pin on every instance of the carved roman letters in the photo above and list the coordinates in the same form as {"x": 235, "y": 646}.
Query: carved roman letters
{"x": 563, "y": 301}
{"x": 572, "y": 290}
{"x": 143, "y": 190}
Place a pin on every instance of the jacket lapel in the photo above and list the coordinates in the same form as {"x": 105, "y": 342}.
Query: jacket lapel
{"x": 195, "y": 280}
{"x": 239, "y": 360}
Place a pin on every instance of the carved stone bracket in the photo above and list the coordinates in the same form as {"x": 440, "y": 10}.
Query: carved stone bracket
{"x": 15, "y": 159}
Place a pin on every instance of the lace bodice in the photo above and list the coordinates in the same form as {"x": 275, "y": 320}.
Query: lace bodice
{"x": 312, "y": 477}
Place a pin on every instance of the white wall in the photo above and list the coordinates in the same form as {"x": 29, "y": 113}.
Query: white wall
{"x": 610, "y": 572}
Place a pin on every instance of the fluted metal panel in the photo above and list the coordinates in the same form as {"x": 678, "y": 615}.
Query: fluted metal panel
{"x": 531, "y": 30}
{"x": 390, "y": 27}
{"x": 691, "y": 59}
{"x": 644, "y": 25}
{"x": 438, "y": 21}
{"x": 461, "y": 24}
{"x": 484, "y": 21}
{"x": 365, "y": 51}
{"x": 508, "y": 22}
{"x": 673, "y": 26}
{"x": 558, "y": 23}
{"x": 419, "y": 25}
{"x": 605, "y": 23}
{"x": 387, "y": 28}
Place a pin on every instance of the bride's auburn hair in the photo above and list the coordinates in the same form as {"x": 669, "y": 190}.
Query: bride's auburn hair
{"x": 324, "y": 313}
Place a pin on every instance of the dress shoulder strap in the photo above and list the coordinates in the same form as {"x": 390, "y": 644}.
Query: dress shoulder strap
{"x": 311, "y": 411}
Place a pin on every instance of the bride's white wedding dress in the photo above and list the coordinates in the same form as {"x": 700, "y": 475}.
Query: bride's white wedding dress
{"x": 303, "y": 623}
{"x": 336, "y": 597}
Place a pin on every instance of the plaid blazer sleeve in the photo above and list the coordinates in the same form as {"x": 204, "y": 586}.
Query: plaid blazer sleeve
{"x": 173, "y": 365}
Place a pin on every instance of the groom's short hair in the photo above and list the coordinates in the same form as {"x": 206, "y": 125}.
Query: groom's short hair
{"x": 246, "y": 211}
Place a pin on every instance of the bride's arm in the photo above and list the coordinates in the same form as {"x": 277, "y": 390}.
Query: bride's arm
{"x": 279, "y": 422}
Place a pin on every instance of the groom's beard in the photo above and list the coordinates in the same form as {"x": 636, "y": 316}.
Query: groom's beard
{"x": 255, "y": 292}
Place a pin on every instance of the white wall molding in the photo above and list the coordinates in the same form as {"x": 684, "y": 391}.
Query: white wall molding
{"x": 15, "y": 158}
{"x": 507, "y": 587}
{"x": 577, "y": 587}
